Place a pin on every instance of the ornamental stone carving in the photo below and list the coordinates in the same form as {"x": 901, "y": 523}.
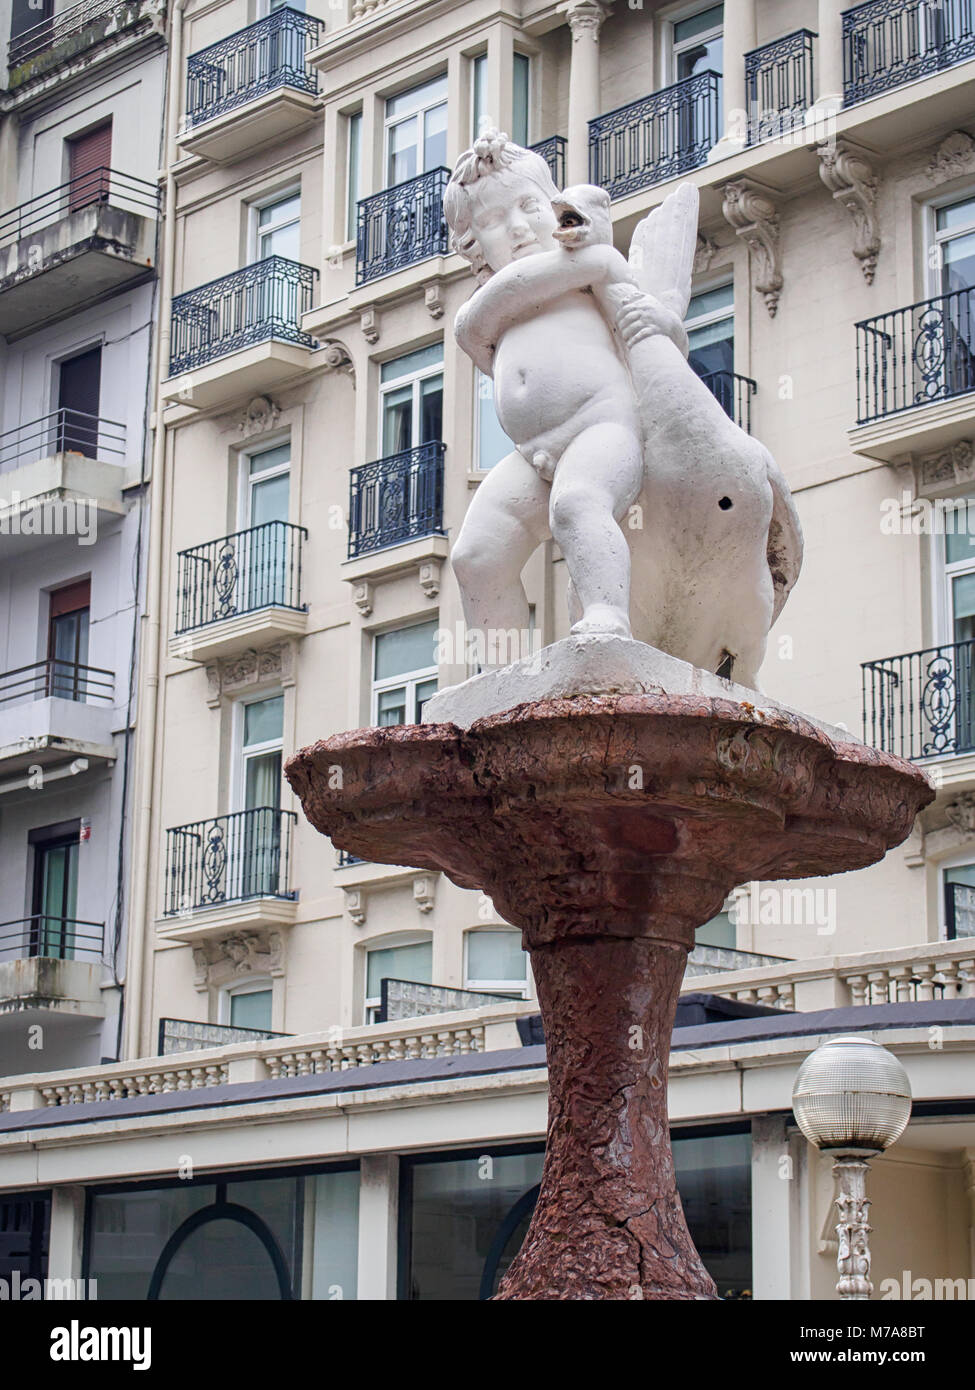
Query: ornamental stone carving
{"x": 585, "y": 18}
{"x": 253, "y": 667}
{"x": 752, "y": 212}
{"x": 425, "y": 891}
{"x": 260, "y": 416}
{"x": 850, "y": 177}
{"x": 220, "y": 962}
{"x": 704, "y": 253}
{"x": 954, "y": 156}
{"x": 369, "y": 324}
{"x": 961, "y": 813}
{"x": 947, "y": 467}
{"x": 336, "y": 356}
{"x": 433, "y": 299}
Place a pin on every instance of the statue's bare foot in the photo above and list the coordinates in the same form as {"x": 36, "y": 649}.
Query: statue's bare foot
{"x": 604, "y": 619}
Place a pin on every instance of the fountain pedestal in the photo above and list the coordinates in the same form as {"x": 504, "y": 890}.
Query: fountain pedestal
{"x": 609, "y": 828}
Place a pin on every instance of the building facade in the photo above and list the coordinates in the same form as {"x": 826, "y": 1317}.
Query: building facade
{"x": 316, "y": 438}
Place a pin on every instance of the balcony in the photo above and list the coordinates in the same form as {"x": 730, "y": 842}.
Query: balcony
{"x": 238, "y": 592}
{"x": 922, "y": 705}
{"x": 734, "y": 395}
{"x": 401, "y": 226}
{"x": 396, "y": 499}
{"x": 69, "y": 36}
{"x": 552, "y": 151}
{"x": 779, "y": 86}
{"x": 49, "y": 964}
{"x": 241, "y": 334}
{"x": 889, "y": 42}
{"x": 656, "y": 138}
{"x": 913, "y": 367}
{"x": 251, "y": 88}
{"x": 56, "y": 715}
{"x": 69, "y": 247}
{"x": 228, "y": 873}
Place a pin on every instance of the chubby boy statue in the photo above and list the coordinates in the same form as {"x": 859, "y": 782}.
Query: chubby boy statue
{"x": 592, "y": 384}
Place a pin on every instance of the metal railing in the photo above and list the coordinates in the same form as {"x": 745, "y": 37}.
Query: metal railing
{"x": 228, "y": 859}
{"x": 734, "y": 394}
{"x": 183, "y": 1035}
{"x": 552, "y": 151}
{"x": 396, "y": 499}
{"x": 252, "y": 569}
{"x": 959, "y": 911}
{"x": 57, "y": 679}
{"x": 98, "y": 186}
{"x": 779, "y": 86}
{"x": 656, "y": 138}
{"x": 916, "y": 355}
{"x": 261, "y": 301}
{"x": 52, "y": 937}
{"x": 401, "y": 225}
{"x": 343, "y": 859}
{"x": 48, "y": 33}
{"x": 921, "y": 704}
{"x": 61, "y": 432}
{"x": 255, "y": 60}
{"x": 889, "y": 42}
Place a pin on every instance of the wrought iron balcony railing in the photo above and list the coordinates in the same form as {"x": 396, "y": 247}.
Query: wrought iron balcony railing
{"x": 779, "y": 86}
{"x": 734, "y": 393}
{"x": 552, "y": 151}
{"x": 889, "y": 42}
{"x": 183, "y": 1035}
{"x": 53, "y": 937}
{"x": 656, "y": 138}
{"x": 57, "y": 28}
{"x": 396, "y": 499}
{"x": 915, "y": 356}
{"x": 959, "y": 910}
{"x": 255, "y": 60}
{"x": 228, "y": 859}
{"x": 101, "y": 185}
{"x": 922, "y": 704}
{"x": 263, "y": 301}
{"x": 61, "y": 680}
{"x": 252, "y": 569}
{"x": 61, "y": 432}
{"x": 401, "y": 225}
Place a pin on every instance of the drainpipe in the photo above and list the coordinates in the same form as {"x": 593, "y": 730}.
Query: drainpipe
{"x": 140, "y": 921}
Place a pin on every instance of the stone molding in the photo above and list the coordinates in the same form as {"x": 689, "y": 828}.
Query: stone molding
{"x": 848, "y": 174}
{"x": 752, "y": 212}
{"x": 955, "y": 155}
{"x": 237, "y": 956}
{"x": 274, "y": 664}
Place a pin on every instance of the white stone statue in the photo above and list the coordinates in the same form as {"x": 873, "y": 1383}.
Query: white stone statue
{"x": 677, "y": 527}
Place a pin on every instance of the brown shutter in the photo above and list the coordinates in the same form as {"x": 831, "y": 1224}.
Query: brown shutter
{"x": 71, "y": 598}
{"x": 89, "y": 160}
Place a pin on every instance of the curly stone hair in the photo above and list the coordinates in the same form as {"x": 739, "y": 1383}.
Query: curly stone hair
{"x": 494, "y": 155}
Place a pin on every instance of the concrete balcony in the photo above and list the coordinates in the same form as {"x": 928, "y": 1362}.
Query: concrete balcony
{"x": 238, "y": 592}
{"x": 921, "y": 706}
{"x": 69, "y": 247}
{"x": 55, "y": 715}
{"x": 74, "y": 40}
{"x": 49, "y": 966}
{"x": 251, "y": 88}
{"x": 240, "y": 335}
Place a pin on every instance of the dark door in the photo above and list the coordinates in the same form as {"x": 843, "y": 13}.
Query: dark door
{"x": 79, "y": 397}
{"x": 55, "y": 899}
{"x": 89, "y": 160}
{"x": 67, "y": 647}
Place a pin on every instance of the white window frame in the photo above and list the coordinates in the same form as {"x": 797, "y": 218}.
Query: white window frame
{"x": 255, "y": 208}
{"x": 416, "y": 378}
{"x": 408, "y": 680}
{"x": 477, "y": 468}
{"x": 247, "y": 480}
{"x": 672, "y": 48}
{"x": 716, "y": 315}
{"x": 513, "y": 988}
{"x": 959, "y": 859}
{"x": 420, "y": 113}
{"x": 240, "y": 759}
{"x": 256, "y": 985}
{"x": 386, "y": 943}
{"x": 935, "y": 238}
{"x": 353, "y": 196}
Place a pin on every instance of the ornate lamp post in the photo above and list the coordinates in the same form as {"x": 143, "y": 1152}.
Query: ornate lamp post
{"x": 852, "y": 1098}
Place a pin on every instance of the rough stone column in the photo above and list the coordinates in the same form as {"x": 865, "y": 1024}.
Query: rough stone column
{"x": 739, "y": 39}
{"x": 585, "y": 18}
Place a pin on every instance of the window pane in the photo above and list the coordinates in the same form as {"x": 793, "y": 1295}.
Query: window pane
{"x": 355, "y": 140}
{"x": 270, "y": 458}
{"x": 413, "y": 962}
{"x": 425, "y": 691}
{"x": 958, "y": 270}
{"x": 714, "y": 1180}
{"x": 262, "y": 787}
{"x": 284, "y": 211}
{"x": 492, "y": 443}
{"x": 431, "y": 409}
{"x": 391, "y": 707}
{"x": 269, "y": 502}
{"x": 719, "y": 931}
{"x": 957, "y": 215}
{"x": 495, "y": 955}
{"x": 264, "y": 720}
{"x": 335, "y": 1243}
{"x": 412, "y": 362}
{"x": 435, "y": 138}
{"x": 702, "y": 57}
{"x": 402, "y": 162}
{"x": 959, "y": 544}
{"x": 698, "y": 23}
{"x": 710, "y": 302}
{"x": 480, "y": 93}
{"x": 283, "y": 241}
{"x": 251, "y": 1010}
{"x": 417, "y": 97}
{"x": 397, "y": 420}
{"x": 406, "y": 649}
{"x": 519, "y": 123}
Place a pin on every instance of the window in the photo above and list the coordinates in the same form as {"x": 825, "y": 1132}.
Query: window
{"x": 67, "y": 641}
{"x": 480, "y": 117}
{"x": 404, "y": 673}
{"x": 959, "y": 890}
{"x": 254, "y": 840}
{"x": 491, "y": 443}
{"x": 54, "y": 897}
{"x": 410, "y": 961}
{"x": 520, "y": 117}
{"x": 265, "y": 552}
{"x": 697, "y": 44}
{"x": 416, "y": 131}
{"x": 496, "y": 962}
{"x": 79, "y": 398}
{"x": 711, "y": 330}
{"x": 411, "y": 400}
{"x": 354, "y": 175}
{"x": 959, "y": 600}
{"x": 278, "y": 227}
{"x": 247, "y": 1005}
{"x": 944, "y": 357}
{"x": 261, "y": 745}
{"x": 718, "y": 931}
{"x": 89, "y": 162}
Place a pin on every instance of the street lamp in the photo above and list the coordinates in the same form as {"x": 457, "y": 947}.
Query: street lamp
{"x": 852, "y": 1098}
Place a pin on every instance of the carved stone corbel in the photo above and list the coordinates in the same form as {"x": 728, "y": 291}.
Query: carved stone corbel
{"x": 704, "y": 253}
{"x": 220, "y": 962}
{"x": 848, "y": 174}
{"x": 433, "y": 299}
{"x": 751, "y": 211}
{"x": 369, "y": 323}
{"x": 260, "y": 416}
{"x": 425, "y": 892}
{"x": 337, "y": 357}
{"x": 946, "y": 468}
{"x": 961, "y": 813}
{"x": 430, "y": 577}
{"x": 955, "y": 155}
{"x": 362, "y": 596}
{"x": 355, "y": 905}
{"x": 255, "y": 666}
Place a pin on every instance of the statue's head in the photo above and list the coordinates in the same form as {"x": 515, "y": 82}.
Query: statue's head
{"x": 498, "y": 204}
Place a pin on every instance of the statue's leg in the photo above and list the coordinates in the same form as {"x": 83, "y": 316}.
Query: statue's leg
{"x": 597, "y": 479}
{"x": 505, "y": 522}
